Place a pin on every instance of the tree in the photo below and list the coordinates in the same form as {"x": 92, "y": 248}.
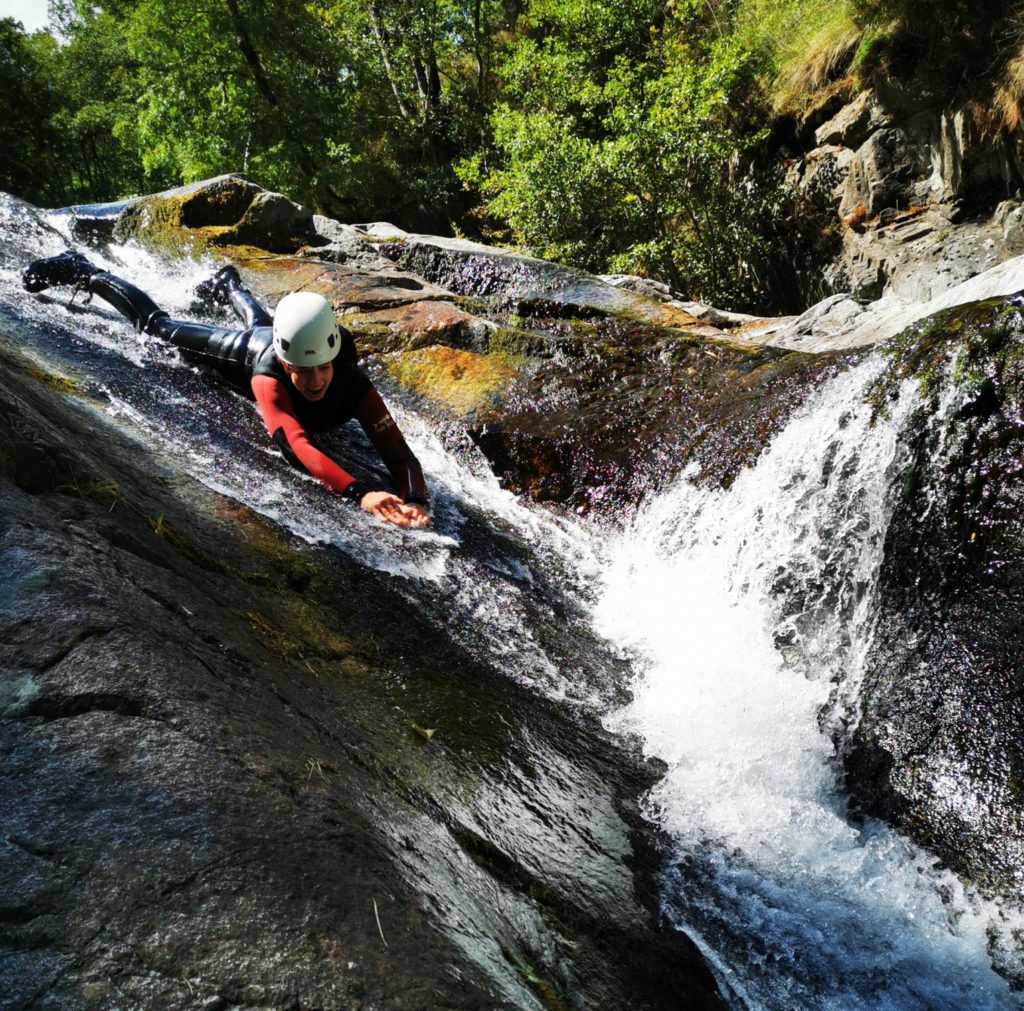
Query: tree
{"x": 27, "y": 103}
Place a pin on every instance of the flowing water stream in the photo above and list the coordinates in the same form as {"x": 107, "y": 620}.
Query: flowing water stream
{"x": 738, "y": 619}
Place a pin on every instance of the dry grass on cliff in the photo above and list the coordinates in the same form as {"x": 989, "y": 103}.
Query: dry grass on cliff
{"x": 811, "y": 45}
{"x": 1009, "y": 94}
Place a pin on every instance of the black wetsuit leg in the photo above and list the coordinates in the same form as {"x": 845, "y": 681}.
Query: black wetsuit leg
{"x": 224, "y": 350}
{"x": 247, "y": 308}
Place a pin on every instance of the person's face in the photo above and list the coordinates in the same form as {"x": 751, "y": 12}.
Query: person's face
{"x": 310, "y": 381}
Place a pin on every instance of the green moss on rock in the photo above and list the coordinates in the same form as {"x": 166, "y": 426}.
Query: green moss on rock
{"x": 464, "y": 382}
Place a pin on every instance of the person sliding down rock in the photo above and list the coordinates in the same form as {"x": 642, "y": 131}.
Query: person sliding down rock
{"x": 300, "y": 366}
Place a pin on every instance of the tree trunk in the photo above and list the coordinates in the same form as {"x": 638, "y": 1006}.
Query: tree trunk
{"x": 252, "y": 58}
{"x": 380, "y": 33}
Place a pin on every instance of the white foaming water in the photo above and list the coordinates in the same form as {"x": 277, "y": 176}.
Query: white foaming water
{"x": 744, "y": 608}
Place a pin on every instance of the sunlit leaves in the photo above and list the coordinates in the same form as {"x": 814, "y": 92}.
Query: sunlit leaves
{"x": 621, "y": 155}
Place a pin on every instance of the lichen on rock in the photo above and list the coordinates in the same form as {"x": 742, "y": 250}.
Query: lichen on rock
{"x": 465, "y": 383}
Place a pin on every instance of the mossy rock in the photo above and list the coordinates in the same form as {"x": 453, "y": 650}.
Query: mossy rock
{"x": 465, "y": 383}
{"x": 228, "y": 210}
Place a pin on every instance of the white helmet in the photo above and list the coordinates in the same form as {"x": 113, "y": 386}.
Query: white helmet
{"x": 305, "y": 329}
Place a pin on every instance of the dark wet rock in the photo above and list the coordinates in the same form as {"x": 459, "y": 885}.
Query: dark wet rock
{"x": 939, "y": 750}
{"x": 227, "y": 210}
{"x": 620, "y": 409}
{"x": 527, "y": 285}
{"x": 215, "y": 793}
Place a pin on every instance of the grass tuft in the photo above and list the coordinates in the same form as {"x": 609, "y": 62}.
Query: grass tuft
{"x": 807, "y": 47}
{"x": 817, "y": 57}
{"x": 1009, "y": 95}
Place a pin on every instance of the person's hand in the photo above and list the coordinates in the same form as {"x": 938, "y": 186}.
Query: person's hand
{"x": 417, "y": 515}
{"x": 387, "y": 507}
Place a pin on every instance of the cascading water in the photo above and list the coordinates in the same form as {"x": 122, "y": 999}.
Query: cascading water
{"x": 750, "y": 612}
{"x": 493, "y": 571}
{"x": 746, "y": 615}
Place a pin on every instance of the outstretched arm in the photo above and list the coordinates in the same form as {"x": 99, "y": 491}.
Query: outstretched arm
{"x": 294, "y": 442}
{"x": 293, "y": 439}
{"x": 380, "y": 428}
{"x": 372, "y": 413}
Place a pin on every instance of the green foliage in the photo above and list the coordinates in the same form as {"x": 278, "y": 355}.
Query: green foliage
{"x": 624, "y": 157}
{"x": 66, "y": 120}
{"x": 27, "y": 102}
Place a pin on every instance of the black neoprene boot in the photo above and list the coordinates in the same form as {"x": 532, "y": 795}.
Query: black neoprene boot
{"x": 218, "y": 288}
{"x": 65, "y": 268}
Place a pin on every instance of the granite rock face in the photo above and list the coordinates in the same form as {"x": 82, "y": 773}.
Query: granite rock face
{"x": 217, "y": 792}
{"x": 938, "y": 750}
{"x": 917, "y": 189}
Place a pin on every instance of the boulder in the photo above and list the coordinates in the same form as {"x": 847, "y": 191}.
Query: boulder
{"x": 853, "y": 124}
{"x": 227, "y": 210}
{"x": 939, "y": 747}
{"x": 821, "y": 176}
{"x": 884, "y": 172}
{"x": 342, "y": 243}
{"x": 829, "y": 319}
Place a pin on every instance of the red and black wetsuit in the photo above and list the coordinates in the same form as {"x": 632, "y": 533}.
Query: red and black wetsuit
{"x": 246, "y": 359}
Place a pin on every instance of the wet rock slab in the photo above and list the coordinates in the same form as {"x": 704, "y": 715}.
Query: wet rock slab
{"x": 939, "y": 749}
{"x": 346, "y": 287}
{"x": 218, "y": 791}
{"x": 531, "y": 285}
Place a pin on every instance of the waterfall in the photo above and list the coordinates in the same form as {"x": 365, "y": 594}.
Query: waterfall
{"x": 749, "y": 613}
